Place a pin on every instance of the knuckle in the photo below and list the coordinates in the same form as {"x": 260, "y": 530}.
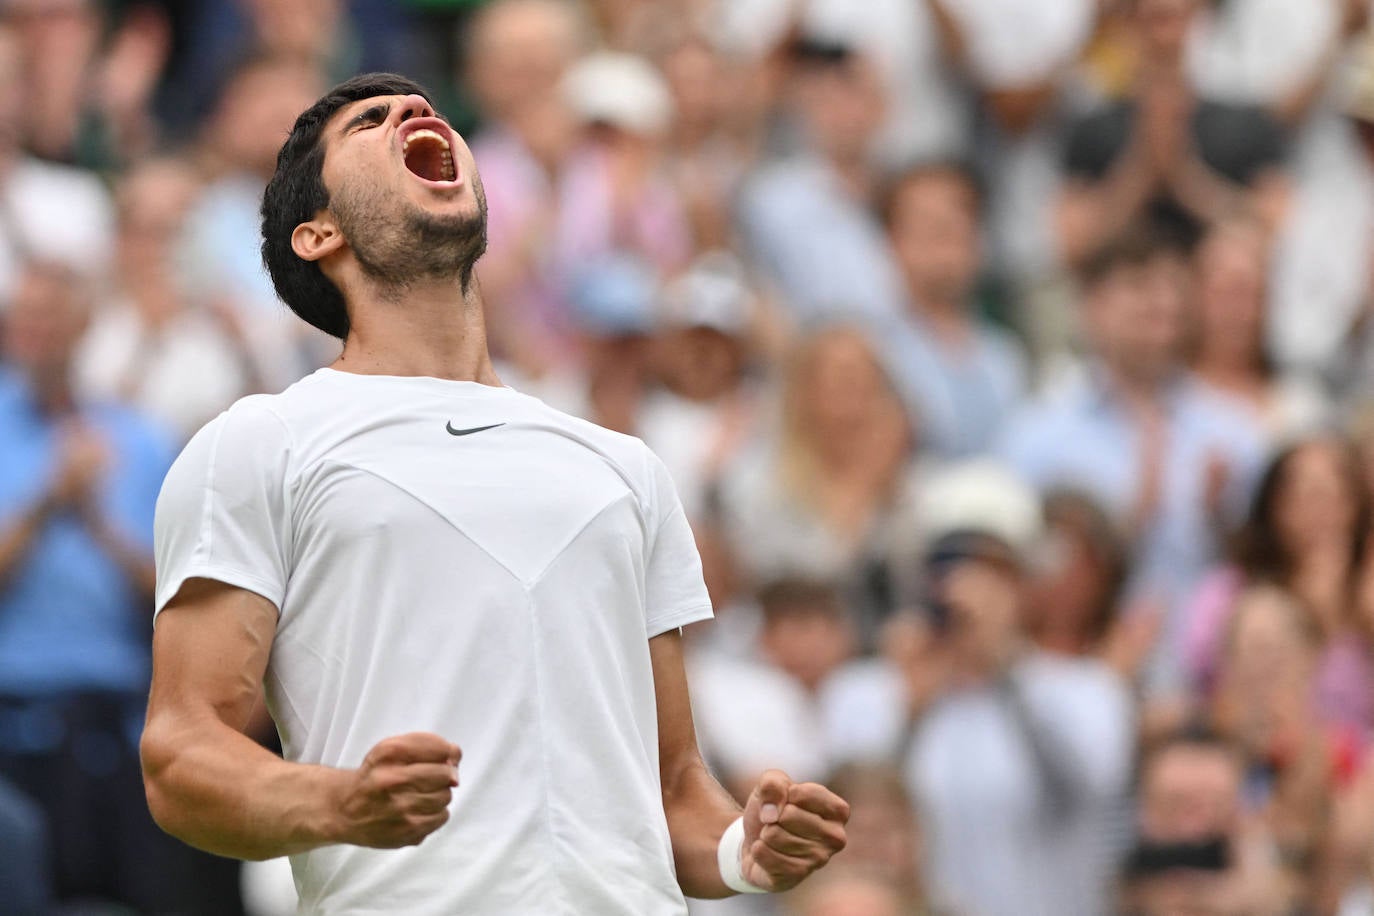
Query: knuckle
{"x": 387, "y": 779}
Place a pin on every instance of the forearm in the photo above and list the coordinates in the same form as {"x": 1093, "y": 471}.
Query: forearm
{"x": 1053, "y": 760}
{"x": 136, "y": 563}
{"x": 218, "y": 790}
{"x": 1087, "y": 216}
{"x": 1204, "y": 194}
{"x": 698, "y": 811}
{"x": 18, "y": 537}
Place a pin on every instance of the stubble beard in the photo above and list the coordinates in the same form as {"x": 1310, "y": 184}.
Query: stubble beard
{"x": 397, "y": 250}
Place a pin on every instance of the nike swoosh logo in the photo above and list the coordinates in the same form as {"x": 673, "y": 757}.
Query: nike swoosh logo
{"x": 470, "y": 430}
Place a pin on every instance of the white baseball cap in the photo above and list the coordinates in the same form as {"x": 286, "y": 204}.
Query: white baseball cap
{"x": 619, "y": 89}
{"x": 711, "y": 293}
{"x": 982, "y": 497}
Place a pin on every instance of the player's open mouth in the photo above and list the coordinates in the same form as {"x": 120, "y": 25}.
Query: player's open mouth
{"x": 428, "y": 155}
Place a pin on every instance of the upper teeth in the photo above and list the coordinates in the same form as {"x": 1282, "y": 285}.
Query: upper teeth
{"x": 426, "y": 132}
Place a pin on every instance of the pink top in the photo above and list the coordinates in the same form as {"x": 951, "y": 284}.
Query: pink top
{"x": 1343, "y": 692}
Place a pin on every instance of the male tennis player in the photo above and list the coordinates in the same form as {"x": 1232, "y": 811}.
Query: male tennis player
{"x": 413, "y": 558}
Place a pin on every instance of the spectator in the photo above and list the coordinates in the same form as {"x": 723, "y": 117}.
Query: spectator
{"x": 518, "y": 52}
{"x": 1076, "y": 592}
{"x": 750, "y": 711}
{"x": 47, "y": 211}
{"x": 962, "y": 376}
{"x": 254, "y": 114}
{"x": 1292, "y": 58}
{"x": 1162, "y": 154}
{"x": 807, "y": 220}
{"x": 1232, "y": 355}
{"x": 25, "y": 881}
{"x": 915, "y": 46}
{"x": 89, "y": 74}
{"x": 1295, "y": 764}
{"x": 702, "y": 416}
{"x": 1196, "y": 850}
{"x": 1172, "y": 463}
{"x": 712, "y": 141}
{"x": 613, "y": 304}
{"x": 77, "y": 492}
{"x": 1306, "y": 532}
{"x": 883, "y": 836}
{"x": 615, "y": 199}
{"x": 834, "y": 495}
{"x": 150, "y": 347}
{"x": 848, "y": 892}
{"x": 1016, "y": 56}
{"x": 1018, "y": 760}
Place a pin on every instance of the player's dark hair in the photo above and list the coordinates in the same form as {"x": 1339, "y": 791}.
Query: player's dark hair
{"x": 297, "y": 192}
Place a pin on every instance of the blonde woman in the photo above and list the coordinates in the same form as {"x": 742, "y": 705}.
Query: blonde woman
{"x": 832, "y": 494}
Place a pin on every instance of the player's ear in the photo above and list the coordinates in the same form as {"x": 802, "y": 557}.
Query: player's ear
{"x": 317, "y": 238}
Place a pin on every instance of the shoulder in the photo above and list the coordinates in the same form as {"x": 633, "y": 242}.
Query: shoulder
{"x": 247, "y": 438}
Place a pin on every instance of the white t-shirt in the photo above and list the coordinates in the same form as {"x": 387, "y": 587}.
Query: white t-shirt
{"x": 461, "y": 559}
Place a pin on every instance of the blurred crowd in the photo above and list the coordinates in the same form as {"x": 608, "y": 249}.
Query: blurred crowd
{"x": 1014, "y": 361}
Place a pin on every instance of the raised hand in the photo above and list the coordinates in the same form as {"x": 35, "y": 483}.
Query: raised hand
{"x": 790, "y": 830}
{"x": 401, "y": 793}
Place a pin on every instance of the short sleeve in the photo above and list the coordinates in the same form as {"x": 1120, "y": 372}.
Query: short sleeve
{"x": 222, "y": 513}
{"x": 675, "y": 590}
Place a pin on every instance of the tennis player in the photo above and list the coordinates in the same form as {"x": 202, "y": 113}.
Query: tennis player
{"x": 413, "y": 558}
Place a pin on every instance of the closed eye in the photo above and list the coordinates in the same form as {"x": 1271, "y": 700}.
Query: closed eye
{"x": 368, "y": 118}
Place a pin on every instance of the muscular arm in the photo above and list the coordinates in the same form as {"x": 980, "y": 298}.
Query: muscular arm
{"x": 213, "y": 787}
{"x": 208, "y": 783}
{"x": 698, "y": 809}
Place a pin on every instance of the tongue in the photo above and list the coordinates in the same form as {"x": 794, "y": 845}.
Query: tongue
{"x": 426, "y": 159}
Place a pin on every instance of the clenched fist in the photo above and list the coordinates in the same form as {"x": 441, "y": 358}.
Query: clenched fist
{"x": 790, "y": 830}
{"x": 400, "y": 794}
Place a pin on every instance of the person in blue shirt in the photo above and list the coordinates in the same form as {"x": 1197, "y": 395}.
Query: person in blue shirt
{"x": 961, "y": 375}
{"x": 1174, "y": 463}
{"x": 807, "y": 218}
{"x": 78, "y": 484}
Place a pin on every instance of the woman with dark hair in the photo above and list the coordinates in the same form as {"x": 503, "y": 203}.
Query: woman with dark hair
{"x": 1075, "y": 607}
{"x": 1307, "y": 533}
{"x": 1079, "y": 581}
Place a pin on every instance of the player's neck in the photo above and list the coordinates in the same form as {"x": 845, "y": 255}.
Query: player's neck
{"x": 425, "y": 333}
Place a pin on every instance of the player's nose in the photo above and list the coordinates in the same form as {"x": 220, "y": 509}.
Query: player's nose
{"x": 415, "y": 106}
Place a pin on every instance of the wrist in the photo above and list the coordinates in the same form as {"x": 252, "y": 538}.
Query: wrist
{"x": 730, "y": 860}
{"x": 325, "y": 821}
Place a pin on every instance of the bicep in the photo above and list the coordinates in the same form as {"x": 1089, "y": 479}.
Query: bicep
{"x": 210, "y": 651}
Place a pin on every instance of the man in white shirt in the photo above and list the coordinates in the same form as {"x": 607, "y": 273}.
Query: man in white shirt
{"x": 408, "y": 555}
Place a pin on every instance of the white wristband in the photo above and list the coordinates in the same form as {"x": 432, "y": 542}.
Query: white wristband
{"x": 730, "y": 859}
